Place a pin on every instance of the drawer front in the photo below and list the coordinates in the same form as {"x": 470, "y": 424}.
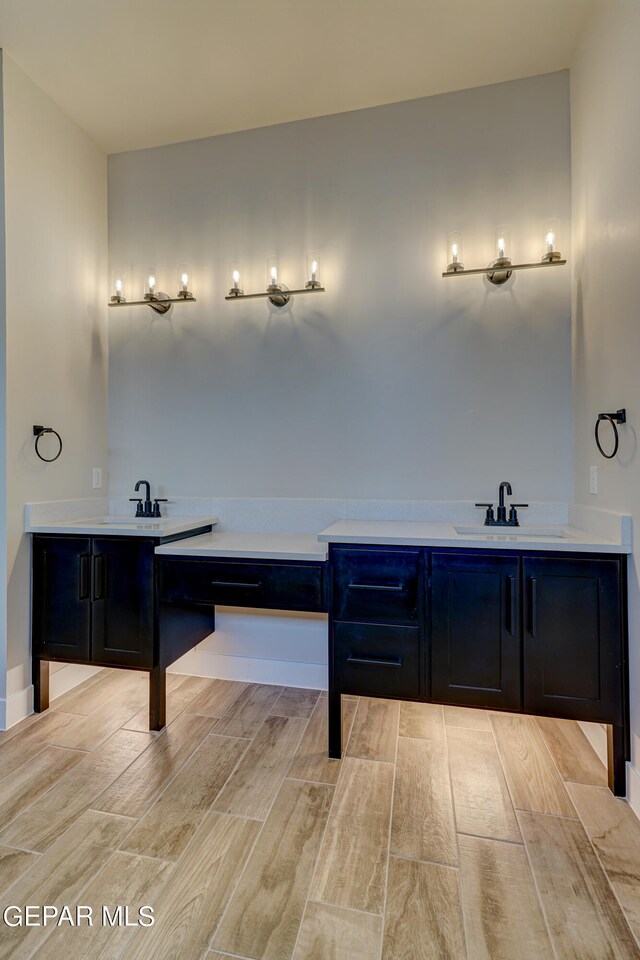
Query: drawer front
{"x": 268, "y": 585}
{"x": 376, "y": 585}
{"x": 376, "y": 660}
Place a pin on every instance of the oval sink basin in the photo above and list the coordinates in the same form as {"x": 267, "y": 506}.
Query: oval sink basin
{"x": 513, "y": 533}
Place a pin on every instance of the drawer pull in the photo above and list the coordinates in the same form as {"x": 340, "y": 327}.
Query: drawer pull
{"x": 381, "y": 661}
{"x": 234, "y": 583}
{"x": 392, "y": 587}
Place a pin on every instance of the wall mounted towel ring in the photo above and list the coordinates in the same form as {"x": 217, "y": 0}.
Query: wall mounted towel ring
{"x": 620, "y": 416}
{"x": 39, "y": 432}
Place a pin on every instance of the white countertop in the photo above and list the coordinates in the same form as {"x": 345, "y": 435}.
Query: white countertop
{"x": 259, "y": 546}
{"x": 563, "y": 539}
{"x": 123, "y": 526}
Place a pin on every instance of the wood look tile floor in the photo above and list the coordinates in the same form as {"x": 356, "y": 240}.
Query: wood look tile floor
{"x": 444, "y": 833}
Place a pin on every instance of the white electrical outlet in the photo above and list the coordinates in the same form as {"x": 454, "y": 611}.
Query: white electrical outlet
{"x": 593, "y": 480}
{"x": 96, "y": 475}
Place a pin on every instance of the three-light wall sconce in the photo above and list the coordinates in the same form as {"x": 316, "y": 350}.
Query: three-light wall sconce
{"x": 276, "y": 292}
{"x": 502, "y": 267}
{"x": 154, "y": 298}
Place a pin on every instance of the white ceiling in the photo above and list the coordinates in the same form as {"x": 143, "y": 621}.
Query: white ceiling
{"x": 138, "y": 73}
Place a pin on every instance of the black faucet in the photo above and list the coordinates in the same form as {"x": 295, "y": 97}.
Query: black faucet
{"x": 501, "y": 519}
{"x": 147, "y": 511}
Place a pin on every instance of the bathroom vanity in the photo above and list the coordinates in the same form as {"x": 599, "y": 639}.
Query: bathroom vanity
{"x": 505, "y": 624}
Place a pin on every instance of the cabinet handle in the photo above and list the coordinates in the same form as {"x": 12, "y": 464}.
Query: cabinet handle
{"x": 233, "y": 583}
{"x": 84, "y": 584}
{"x": 392, "y": 587}
{"x": 381, "y": 661}
{"x": 533, "y": 606}
{"x": 99, "y": 577}
{"x": 511, "y": 601}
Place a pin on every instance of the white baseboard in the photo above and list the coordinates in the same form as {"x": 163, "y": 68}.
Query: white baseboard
{"x": 290, "y": 673}
{"x": 633, "y": 789}
{"x": 596, "y": 734}
{"x": 20, "y": 705}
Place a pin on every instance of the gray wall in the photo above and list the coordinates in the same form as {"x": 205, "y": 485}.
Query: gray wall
{"x": 605, "y": 81}
{"x": 395, "y": 383}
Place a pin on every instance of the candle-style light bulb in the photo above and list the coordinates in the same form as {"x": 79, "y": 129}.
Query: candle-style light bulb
{"x": 454, "y": 252}
{"x": 274, "y": 274}
{"x": 152, "y": 285}
{"x": 501, "y": 247}
{"x": 550, "y": 238}
{"x": 119, "y": 287}
{"x": 185, "y": 281}
{"x": 236, "y": 279}
{"x": 314, "y": 270}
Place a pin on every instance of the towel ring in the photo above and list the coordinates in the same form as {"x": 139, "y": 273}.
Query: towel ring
{"x": 620, "y": 416}
{"x": 39, "y": 432}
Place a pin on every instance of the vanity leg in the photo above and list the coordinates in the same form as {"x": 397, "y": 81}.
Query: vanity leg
{"x": 335, "y": 726}
{"x": 157, "y": 698}
{"x": 617, "y": 760}
{"x": 40, "y": 676}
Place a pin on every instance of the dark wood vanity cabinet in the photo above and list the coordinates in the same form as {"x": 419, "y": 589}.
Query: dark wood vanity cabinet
{"x": 475, "y": 630}
{"x": 93, "y": 600}
{"x": 535, "y": 633}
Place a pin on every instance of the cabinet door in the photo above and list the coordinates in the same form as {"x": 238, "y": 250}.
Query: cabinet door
{"x": 475, "y": 630}
{"x": 62, "y": 598}
{"x": 573, "y": 646}
{"x": 123, "y": 600}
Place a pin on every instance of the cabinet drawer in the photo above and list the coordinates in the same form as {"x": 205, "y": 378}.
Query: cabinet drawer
{"x": 269, "y": 585}
{"x": 376, "y": 660}
{"x": 376, "y": 585}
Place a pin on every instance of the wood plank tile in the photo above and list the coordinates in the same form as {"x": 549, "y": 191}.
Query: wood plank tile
{"x": 467, "y": 717}
{"x": 125, "y": 879}
{"x": 422, "y": 824}
{"x": 182, "y": 693}
{"x": 614, "y": 830}
{"x": 33, "y": 779}
{"x": 333, "y": 933}
{"x": 572, "y": 753}
{"x": 352, "y": 864}
{"x": 245, "y": 716}
{"x": 295, "y": 702}
{"x": 87, "y": 733}
{"x": 189, "y": 907}
{"x": 583, "y": 915}
{"x": 423, "y": 919}
{"x": 21, "y": 748}
{"x": 422, "y": 720}
{"x": 257, "y": 779}
{"x": 13, "y": 863}
{"x": 167, "y": 827}
{"x": 480, "y": 796}
{"x": 104, "y": 693}
{"x": 533, "y": 780}
{"x": 265, "y": 911}
{"x": 44, "y": 821}
{"x": 502, "y": 914}
{"x": 140, "y": 784}
{"x": 59, "y": 875}
{"x": 216, "y": 698}
{"x": 375, "y": 730}
{"x": 310, "y": 761}
{"x": 58, "y": 703}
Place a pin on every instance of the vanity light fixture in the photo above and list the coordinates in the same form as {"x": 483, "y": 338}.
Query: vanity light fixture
{"x": 276, "y": 292}
{"x": 501, "y": 268}
{"x": 158, "y": 301}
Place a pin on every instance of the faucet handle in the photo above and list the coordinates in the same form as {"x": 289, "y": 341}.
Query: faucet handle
{"x": 513, "y": 513}
{"x": 489, "y": 517}
{"x": 139, "y": 510}
{"x": 156, "y": 505}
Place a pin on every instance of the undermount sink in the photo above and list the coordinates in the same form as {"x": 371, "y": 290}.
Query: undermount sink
{"x": 123, "y": 521}
{"x": 513, "y": 533}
